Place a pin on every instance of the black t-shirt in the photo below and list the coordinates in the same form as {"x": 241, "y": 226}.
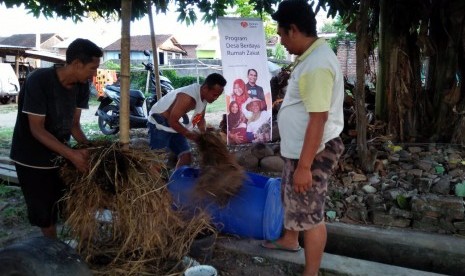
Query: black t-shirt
{"x": 42, "y": 94}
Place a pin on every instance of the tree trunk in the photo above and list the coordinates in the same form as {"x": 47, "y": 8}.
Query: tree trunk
{"x": 125, "y": 71}
{"x": 381, "y": 110}
{"x": 448, "y": 23}
{"x": 366, "y": 161}
{"x": 399, "y": 83}
{"x": 458, "y": 135}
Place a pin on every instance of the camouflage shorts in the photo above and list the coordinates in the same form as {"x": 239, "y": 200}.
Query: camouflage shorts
{"x": 303, "y": 211}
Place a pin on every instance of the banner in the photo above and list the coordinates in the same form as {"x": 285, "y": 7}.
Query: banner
{"x": 248, "y": 91}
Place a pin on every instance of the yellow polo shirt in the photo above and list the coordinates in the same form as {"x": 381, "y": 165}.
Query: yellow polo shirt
{"x": 316, "y": 84}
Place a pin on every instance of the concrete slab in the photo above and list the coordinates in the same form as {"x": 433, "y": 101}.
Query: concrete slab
{"x": 401, "y": 247}
{"x": 8, "y": 173}
{"x": 331, "y": 264}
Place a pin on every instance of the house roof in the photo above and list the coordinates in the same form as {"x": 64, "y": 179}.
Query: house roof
{"x": 26, "y": 40}
{"x": 164, "y": 42}
{"x": 28, "y": 52}
{"x": 190, "y": 51}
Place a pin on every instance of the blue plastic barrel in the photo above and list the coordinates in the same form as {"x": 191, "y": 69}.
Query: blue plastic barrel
{"x": 255, "y": 212}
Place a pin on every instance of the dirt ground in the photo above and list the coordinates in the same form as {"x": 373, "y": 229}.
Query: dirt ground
{"x": 230, "y": 263}
{"x": 14, "y": 226}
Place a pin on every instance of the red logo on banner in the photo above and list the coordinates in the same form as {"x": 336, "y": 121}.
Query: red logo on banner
{"x": 244, "y": 24}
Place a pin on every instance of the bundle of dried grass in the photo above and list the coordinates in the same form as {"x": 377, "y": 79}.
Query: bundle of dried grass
{"x": 144, "y": 234}
{"x": 221, "y": 177}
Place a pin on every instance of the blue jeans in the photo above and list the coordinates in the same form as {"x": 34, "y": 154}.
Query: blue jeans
{"x": 160, "y": 139}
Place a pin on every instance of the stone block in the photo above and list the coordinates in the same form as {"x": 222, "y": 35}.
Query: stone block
{"x": 261, "y": 150}
{"x": 426, "y": 224}
{"x": 247, "y": 160}
{"x": 448, "y": 207}
{"x": 423, "y": 184}
{"x": 442, "y": 186}
{"x": 272, "y": 163}
{"x": 396, "y": 212}
{"x": 383, "y": 219}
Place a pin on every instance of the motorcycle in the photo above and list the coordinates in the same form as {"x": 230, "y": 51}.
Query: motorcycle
{"x": 108, "y": 110}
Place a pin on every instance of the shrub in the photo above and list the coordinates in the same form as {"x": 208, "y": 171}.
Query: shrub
{"x": 180, "y": 81}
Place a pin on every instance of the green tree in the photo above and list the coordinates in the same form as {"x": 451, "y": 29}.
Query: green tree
{"x": 248, "y": 9}
{"x": 340, "y": 28}
{"x": 280, "y": 52}
{"x": 76, "y": 10}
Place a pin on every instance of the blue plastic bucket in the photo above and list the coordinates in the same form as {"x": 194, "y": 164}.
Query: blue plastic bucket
{"x": 255, "y": 212}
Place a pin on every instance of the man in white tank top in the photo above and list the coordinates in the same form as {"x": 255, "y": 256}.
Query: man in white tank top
{"x": 166, "y": 131}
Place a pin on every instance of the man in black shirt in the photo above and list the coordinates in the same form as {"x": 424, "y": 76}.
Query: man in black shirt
{"x": 49, "y": 112}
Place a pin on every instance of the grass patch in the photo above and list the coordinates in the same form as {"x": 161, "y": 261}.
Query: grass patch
{"x": 6, "y": 134}
{"x": 15, "y": 211}
{"x": 14, "y": 215}
{"x": 8, "y": 192}
{"x": 91, "y": 130}
{"x": 217, "y": 106}
{"x": 8, "y": 108}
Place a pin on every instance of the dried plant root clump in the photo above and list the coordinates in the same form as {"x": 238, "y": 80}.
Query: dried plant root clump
{"x": 221, "y": 177}
{"x": 141, "y": 233}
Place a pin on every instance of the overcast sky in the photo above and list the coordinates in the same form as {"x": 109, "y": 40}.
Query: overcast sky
{"x": 18, "y": 21}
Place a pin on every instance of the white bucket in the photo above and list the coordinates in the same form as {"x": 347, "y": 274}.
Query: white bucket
{"x": 201, "y": 270}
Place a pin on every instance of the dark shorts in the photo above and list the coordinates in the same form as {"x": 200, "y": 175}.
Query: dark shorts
{"x": 42, "y": 190}
{"x": 160, "y": 139}
{"x": 304, "y": 211}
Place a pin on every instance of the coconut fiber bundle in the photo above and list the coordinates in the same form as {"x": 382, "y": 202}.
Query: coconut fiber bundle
{"x": 221, "y": 177}
{"x": 121, "y": 213}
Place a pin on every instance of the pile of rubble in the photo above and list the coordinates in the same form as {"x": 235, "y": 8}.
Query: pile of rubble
{"x": 418, "y": 186}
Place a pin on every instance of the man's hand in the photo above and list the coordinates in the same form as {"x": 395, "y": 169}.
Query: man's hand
{"x": 302, "y": 180}
{"x": 191, "y": 135}
{"x": 80, "y": 159}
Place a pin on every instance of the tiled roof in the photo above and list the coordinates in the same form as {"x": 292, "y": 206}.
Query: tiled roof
{"x": 26, "y": 40}
{"x": 144, "y": 42}
{"x": 139, "y": 42}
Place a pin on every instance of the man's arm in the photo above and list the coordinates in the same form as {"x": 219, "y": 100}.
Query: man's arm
{"x": 76, "y": 130}
{"x": 182, "y": 105}
{"x": 313, "y": 136}
{"x": 202, "y": 125}
{"x": 77, "y": 157}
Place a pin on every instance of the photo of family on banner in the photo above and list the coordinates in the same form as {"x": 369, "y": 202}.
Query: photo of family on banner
{"x": 248, "y": 91}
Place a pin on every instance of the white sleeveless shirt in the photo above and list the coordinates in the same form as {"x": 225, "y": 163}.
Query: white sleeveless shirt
{"x": 166, "y": 101}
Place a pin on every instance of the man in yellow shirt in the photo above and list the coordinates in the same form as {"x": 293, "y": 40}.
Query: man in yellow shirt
{"x": 310, "y": 121}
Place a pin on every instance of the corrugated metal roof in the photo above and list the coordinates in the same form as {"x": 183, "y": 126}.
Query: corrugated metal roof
{"x": 28, "y": 52}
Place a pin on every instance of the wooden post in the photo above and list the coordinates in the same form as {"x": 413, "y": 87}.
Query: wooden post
{"x": 154, "y": 51}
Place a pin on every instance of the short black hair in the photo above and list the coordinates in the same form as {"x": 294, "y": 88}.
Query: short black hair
{"x": 83, "y": 50}
{"x": 251, "y": 69}
{"x": 297, "y": 12}
{"x": 214, "y": 79}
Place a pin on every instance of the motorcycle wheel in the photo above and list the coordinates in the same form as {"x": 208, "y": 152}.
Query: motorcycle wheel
{"x": 5, "y": 100}
{"x": 108, "y": 128}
